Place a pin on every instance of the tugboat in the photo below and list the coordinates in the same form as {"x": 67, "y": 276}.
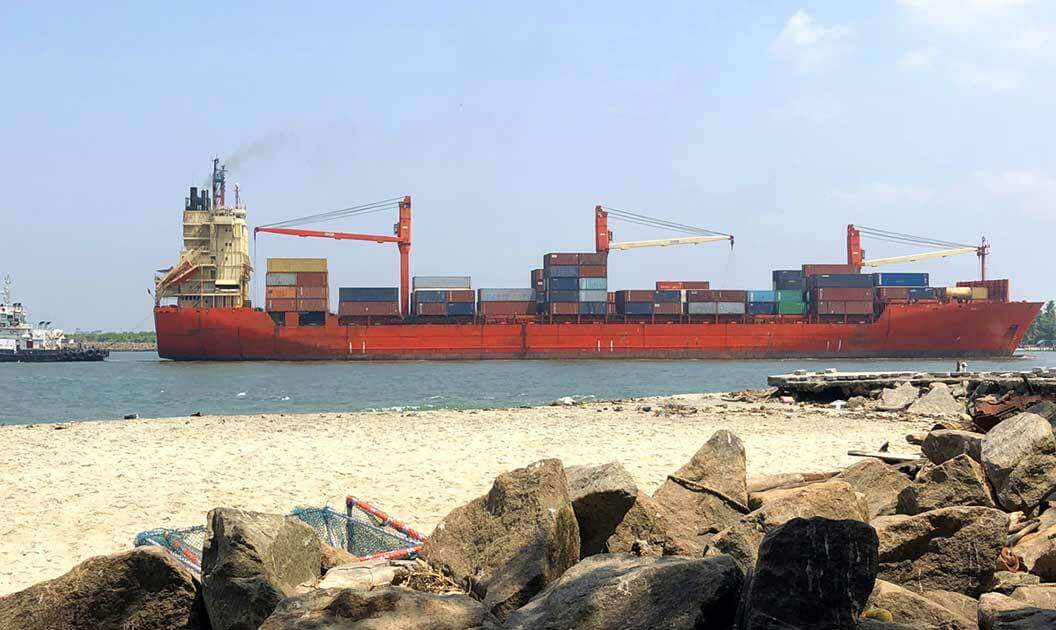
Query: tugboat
{"x": 21, "y": 342}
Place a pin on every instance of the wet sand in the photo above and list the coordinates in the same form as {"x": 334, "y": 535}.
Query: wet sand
{"x": 72, "y": 491}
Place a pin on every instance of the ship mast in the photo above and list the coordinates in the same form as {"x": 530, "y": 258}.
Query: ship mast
{"x": 7, "y": 289}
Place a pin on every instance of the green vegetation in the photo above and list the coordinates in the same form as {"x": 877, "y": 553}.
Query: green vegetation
{"x": 114, "y": 337}
{"x": 1043, "y": 331}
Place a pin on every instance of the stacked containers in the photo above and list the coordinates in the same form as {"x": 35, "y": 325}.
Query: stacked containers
{"x": 575, "y": 284}
{"x": 539, "y": 285}
{"x": 789, "y": 290}
{"x": 716, "y": 302}
{"x": 505, "y": 303}
{"x": 648, "y": 303}
{"x": 443, "y": 296}
{"x": 995, "y": 290}
{"x": 894, "y": 288}
{"x": 296, "y": 284}
{"x": 762, "y": 303}
{"x": 368, "y": 301}
{"x": 841, "y": 293}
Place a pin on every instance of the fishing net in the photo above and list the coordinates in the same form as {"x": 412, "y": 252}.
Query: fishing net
{"x": 363, "y": 531}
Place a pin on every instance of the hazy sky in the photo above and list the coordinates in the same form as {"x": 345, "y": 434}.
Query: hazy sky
{"x": 780, "y": 122}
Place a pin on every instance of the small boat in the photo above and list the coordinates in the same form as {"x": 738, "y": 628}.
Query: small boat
{"x": 22, "y": 342}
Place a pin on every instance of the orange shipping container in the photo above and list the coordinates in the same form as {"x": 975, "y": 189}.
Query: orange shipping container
{"x": 313, "y": 293}
{"x": 280, "y": 305}
{"x": 593, "y": 271}
{"x": 282, "y": 293}
{"x": 312, "y": 279}
{"x": 311, "y": 305}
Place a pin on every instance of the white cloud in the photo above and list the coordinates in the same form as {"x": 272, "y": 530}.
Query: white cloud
{"x": 919, "y": 58}
{"x": 812, "y": 46}
{"x": 1031, "y": 192}
{"x": 989, "y": 79}
{"x": 881, "y": 194}
{"x": 961, "y": 15}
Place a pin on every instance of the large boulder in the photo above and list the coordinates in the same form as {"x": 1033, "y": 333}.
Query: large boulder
{"x": 507, "y": 545}
{"x": 937, "y": 402}
{"x": 142, "y": 588}
{"x": 878, "y": 482}
{"x": 644, "y": 531}
{"x": 958, "y": 481}
{"x": 707, "y": 494}
{"x": 386, "y": 608}
{"x": 1040, "y": 595}
{"x": 601, "y": 496}
{"x": 898, "y": 398}
{"x": 957, "y": 603}
{"x": 1005, "y": 582}
{"x": 251, "y": 561}
{"x": 1038, "y": 549}
{"x": 1032, "y": 479}
{"x": 1009, "y": 442}
{"x": 812, "y": 573}
{"x": 916, "y": 610}
{"x": 625, "y": 591}
{"x": 1000, "y": 612}
{"x": 834, "y": 499}
{"x": 943, "y": 444}
{"x": 951, "y": 549}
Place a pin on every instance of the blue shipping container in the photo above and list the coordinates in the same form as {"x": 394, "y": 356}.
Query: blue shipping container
{"x": 790, "y": 284}
{"x": 563, "y": 271}
{"x": 636, "y": 308}
{"x": 901, "y": 279}
{"x": 593, "y": 284}
{"x": 562, "y": 284}
{"x": 667, "y": 296}
{"x": 368, "y": 294}
{"x": 461, "y": 308}
{"x": 762, "y": 296}
{"x": 562, "y": 296}
{"x": 787, "y": 275}
{"x": 922, "y": 293}
{"x": 762, "y": 308}
{"x": 430, "y": 296}
{"x": 592, "y": 308}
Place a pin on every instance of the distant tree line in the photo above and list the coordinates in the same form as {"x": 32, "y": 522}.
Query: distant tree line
{"x": 1043, "y": 331}
{"x": 114, "y": 337}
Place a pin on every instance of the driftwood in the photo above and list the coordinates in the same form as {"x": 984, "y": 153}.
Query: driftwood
{"x": 787, "y": 480}
{"x": 887, "y": 458}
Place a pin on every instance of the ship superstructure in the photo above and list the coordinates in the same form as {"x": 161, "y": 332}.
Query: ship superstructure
{"x": 21, "y": 341}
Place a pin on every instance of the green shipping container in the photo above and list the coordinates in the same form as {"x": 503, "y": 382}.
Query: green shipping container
{"x": 791, "y": 308}
{"x": 789, "y": 296}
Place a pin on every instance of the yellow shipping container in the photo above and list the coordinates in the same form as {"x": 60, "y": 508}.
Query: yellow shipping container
{"x": 293, "y": 265}
{"x": 980, "y": 293}
{"x": 959, "y": 293}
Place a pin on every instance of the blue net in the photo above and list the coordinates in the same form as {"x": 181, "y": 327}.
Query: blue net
{"x": 184, "y": 544}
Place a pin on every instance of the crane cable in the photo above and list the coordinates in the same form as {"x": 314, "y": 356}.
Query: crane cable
{"x": 331, "y": 215}
{"x": 642, "y": 219}
{"x": 909, "y": 239}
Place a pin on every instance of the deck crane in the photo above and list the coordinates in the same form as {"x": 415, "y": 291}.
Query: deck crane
{"x": 401, "y": 234}
{"x": 856, "y": 255}
{"x": 603, "y": 237}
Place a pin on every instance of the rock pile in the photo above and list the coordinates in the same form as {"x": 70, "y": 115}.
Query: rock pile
{"x": 964, "y": 538}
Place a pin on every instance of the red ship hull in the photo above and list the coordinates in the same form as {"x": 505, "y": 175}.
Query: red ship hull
{"x": 973, "y": 329}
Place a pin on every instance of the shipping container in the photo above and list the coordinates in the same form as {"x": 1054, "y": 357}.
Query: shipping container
{"x": 459, "y": 309}
{"x": 562, "y": 308}
{"x": 667, "y": 296}
{"x": 429, "y": 296}
{"x": 667, "y": 308}
{"x": 281, "y": 293}
{"x": 312, "y": 305}
{"x": 593, "y": 271}
{"x": 782, "y": 275}
{"x": 280, "y": 305}
{"x": 980, "y": 293}
{"x": 368, "y": 294}
{"x": 760, "y": 308}
{"x": 997, "y": 290}
{"x": 959, "y": 293}
{"x": 824, "y": 269}
{"x": 313, "y": 293}
{"x": 610, "y": 308}
{"x": 562, "y": 271}
{"x": 634, "y": 295}
{"x": 562, "y": 284}
{"x": 889, "y": 294}
{"x": 461, "y": 295}
{"x": 791, "y": 308}
{"x": 612, "y": 297}
{"x": 716, "y": 295}
{"x": 562, "y": 296}
{"x": 681, "y": 285}
{"x": 634, "y": 308}
{"x": 284, "y": 279}
{"x": 593, "y": 296}
{"x": 900, "y": 279}
{"x": 731, "y": 308}
{"x": 843, "y": 294}
{"x": 293, "y": 265}
{"x": 789, "y": 295}
{"x": 844, "y": 308}
{"x": 593, "y": 284}
{"x": 702, "y": 308}
{"x": 592, "y": 308}
{"x": 550, "y": 260}
{"x": 762, "y": 296}
{"x": 312, "y": 279}
{"x": 441, "y": 282}
{"x": 365, "y": 309}
{"x": 500, "y": 309}
{"x": 791, "y": 284}
{"x": 923, "y": 293}
{"x": 592, "y": 258}
{"x": 840, "y": 280}
{"x": 505, "y": 295}
{"x": 431, "y": 309}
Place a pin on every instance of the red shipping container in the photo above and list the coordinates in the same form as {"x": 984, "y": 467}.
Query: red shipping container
{"x": 667, "y": 308}
{"x": 612, "y": 297}
{"x": 675, "y": 285}
{"x": 593, "y": 271}
{"x": 561, "y": 259}
{"x": 494, "y": 309}
{"x": 312, "y": 305}
{"x": 280, "y": 305}
{"x": 997, "y": 290}
{"x": 281, "y": 293}
{"x": 610, "y": 308}
{"x": 313, "y": 293}
{"x": 887, "y": 294}
{"x": 635, "y": 296}
{"x": 311, "y": 279}
{"x": 432, "y": 308}
{"x": 593, "y": 258}
{"x": 363, "y": 309}
{"x": 538, "y": 275}
{"x": 845, "y": 294}
{"x": 461, "y": 295}
{"x": 822, "y": 270}
{"x": 563, "y": 308}
{"x": 845, "y": 308}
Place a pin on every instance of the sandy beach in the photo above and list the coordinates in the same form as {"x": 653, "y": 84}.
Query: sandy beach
{"x": 71, "y": 491}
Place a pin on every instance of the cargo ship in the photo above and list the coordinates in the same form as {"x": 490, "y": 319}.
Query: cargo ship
{"x": 22, "y": 342}
{"x": 203, "y": 308}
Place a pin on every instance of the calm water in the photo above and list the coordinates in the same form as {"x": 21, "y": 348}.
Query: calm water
{"x": 138, "y": 382}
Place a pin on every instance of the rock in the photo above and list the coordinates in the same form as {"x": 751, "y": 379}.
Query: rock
{"x": 873, "y": 624}
{"x": 991, "y": 604}
{"x": 1046, "y": 409}
{"x": 507, "y": 545}
{"x": 644, "y": 532}
{"x": 916, "y": 610}
{"x": 1006, "y": 581}
{"x": 944, "y": 444}
{"x": 333, "y": 557}
{"x": 937, "y": 402}
{"x": 958, "y": 481}
{"x": 812, "y": 573}
{"x": 997, "y": 611}
{"x": 601, "y": 496}
{"x": 1032, "y": 479}
{"x": 1038, "y": 549}
{"x": 1039, "y": 595}
{"x": 363, "y": 575}
{"x": 1009, "y": 442}
{"x": 142, "y": 588}
{"x": 707, "y": 494}
{"x": 833, "y": 499}
{"x": 898, "y": 398}
{"x": 879, "y": 482}
{"x": 950, "y": 549}
{"x": 624, "y": 591}
{"x": 386, "y": 608}
{"x": 251, "y": 561}
{"x": 858, "y": 402}
{"x": 957, "y": 603}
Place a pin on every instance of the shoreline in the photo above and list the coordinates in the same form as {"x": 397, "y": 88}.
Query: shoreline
{"x": 86, "y": 488}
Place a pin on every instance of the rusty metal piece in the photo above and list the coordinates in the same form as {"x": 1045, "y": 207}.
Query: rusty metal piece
{"x": 1008, "y": 560}
{"x": 988, "y": 412}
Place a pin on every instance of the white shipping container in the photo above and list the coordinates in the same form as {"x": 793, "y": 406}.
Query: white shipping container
{"x": 441, "y": 282}
{"x": 593, "y": 296}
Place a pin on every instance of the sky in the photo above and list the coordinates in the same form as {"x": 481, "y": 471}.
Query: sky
{"x": 778, "y": 122}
